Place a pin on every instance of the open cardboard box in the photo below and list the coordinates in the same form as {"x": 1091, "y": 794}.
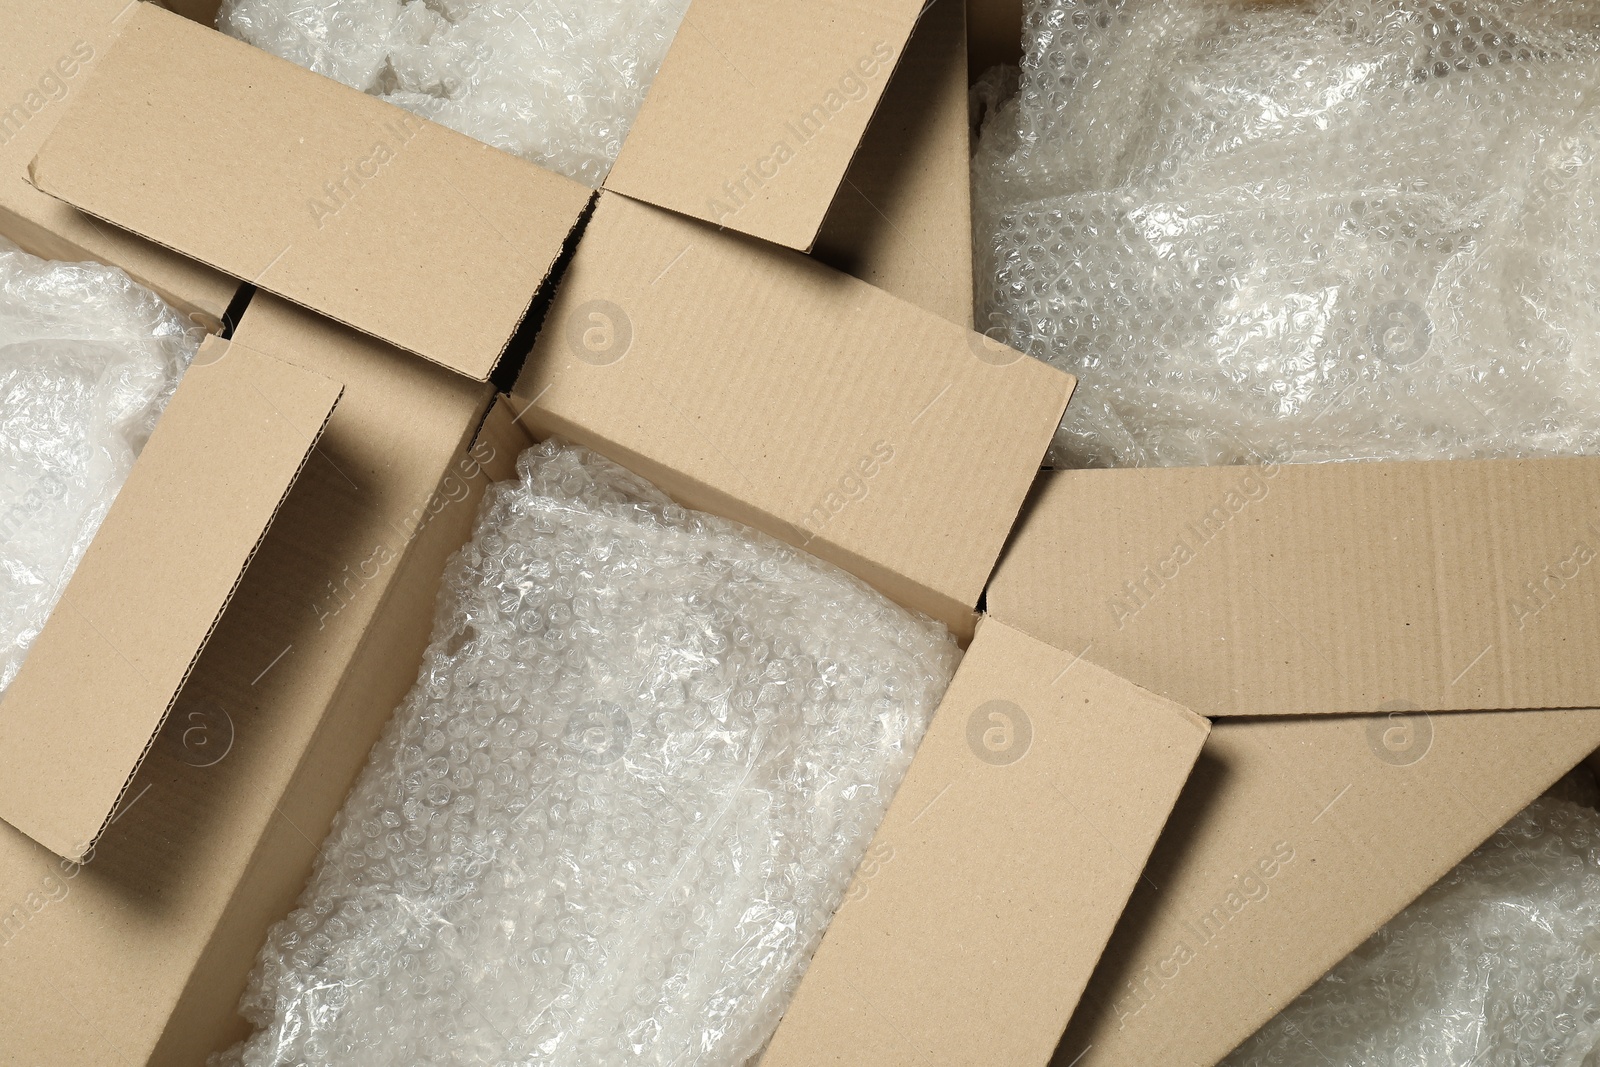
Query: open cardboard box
{"x": 107, "y": 667}
{"x": 745, "y": 380}
{"x": 428, "y": 239}
{"x": 1398, "y": 656}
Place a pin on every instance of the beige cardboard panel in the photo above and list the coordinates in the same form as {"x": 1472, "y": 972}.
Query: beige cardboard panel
{"x": 99, "y": 680}
{"x": 1292, "y": 842}
{"x": 757, "y": 383}
{"x": 48, "y": 54}
{"x": 1341, "y": 587}
{"x": 309, "y": 189}
{"x": 141, "y": 955}
{"x": 902, "y": 219}
{"x": 756, "y": 111}
{"x": 993, "y": 884}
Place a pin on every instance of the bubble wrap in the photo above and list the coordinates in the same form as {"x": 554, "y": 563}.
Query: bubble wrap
{"x": 1496, "y": 965}
{"x": 558, "y": 82}
{"x": 613, "y": 818}
{"x": 88, "y": 359}
{"x": 1299, "y": 231}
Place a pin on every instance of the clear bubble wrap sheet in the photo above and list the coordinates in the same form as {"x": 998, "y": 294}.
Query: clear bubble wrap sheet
{"x": 558, "y": 82}
{"x": 88, "y": 359}
{"x": 610, "y": 823}
{"x": 1495, "y": 966}
{"x": 1300, "y": 231}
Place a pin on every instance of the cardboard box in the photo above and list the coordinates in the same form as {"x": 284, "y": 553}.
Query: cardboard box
{"x": 1399, "y": 656}
{"x": 1332, "y": 589}
{"x": 744, "y": 379}
{"x": 49, "y": 53}
{"x": 351, "y": 205}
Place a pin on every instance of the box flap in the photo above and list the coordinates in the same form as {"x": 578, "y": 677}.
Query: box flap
{"x": 49, "y": 52}
{"x": 756, "y": 383}
{"x": 756, "y": 111}
{"x": 902, "y": 220}
{"x": 80, "y": 715}
{"x": 311, "y": 190}
{"x": 1348, "y": 587}
{"x": 994, "y": 882}
{"x": 1294, "y": 840}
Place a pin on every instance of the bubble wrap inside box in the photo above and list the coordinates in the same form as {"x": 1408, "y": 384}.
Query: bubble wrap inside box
{"x": 1331, "y": 229}
{"x": 1496, "y": 965}
{"x": 88, "y": 359}
{"x": 558, "y": 82}
{"x": 610, "y": 823}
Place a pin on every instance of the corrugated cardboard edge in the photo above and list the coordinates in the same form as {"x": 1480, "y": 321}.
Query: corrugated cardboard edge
{"x": 129, "y": 502}
{"x": 993, "y": 884}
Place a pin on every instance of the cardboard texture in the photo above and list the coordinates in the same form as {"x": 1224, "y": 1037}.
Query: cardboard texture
{"x": 100, "y": 679}
{"x": 1297, "y": 837}
{"x": 1324, "y": 588}
{"x": 331, "y": 198}
{"x": 758, "y": 108}
{"x": 220, "y": 826}
{"x": 761, "y": 385}
{"x": 1294, "y": 840}
{"x": 902, "y": 216}
{"x": 49, "y": 53}
{"x": 1007, "y": 854}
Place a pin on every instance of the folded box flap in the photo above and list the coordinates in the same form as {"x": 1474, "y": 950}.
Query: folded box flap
{"x": 755, "y": 114}
{"x": 311, "y": 190}
{"x": 85, "y": 707}
{"x": 997, "y": 876}
{"x": 754, "y": 382}
{"x": 1325, "y": 588}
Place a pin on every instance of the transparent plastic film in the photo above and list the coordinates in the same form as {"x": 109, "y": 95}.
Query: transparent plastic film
{"x": 88, "y": 360}
{"x": 1336, "y": 229}
{"x": 647, "y": 749}
{"x": 1494, "y": 965}
{"x": 557, "y": 82}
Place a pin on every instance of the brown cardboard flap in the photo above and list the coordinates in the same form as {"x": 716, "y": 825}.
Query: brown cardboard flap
{"x": 1293, "y": 841}
{"x": 78, "y": 718}
{"x": 754, "y": 382}
{"x": 310, "y": 190}
{"x": 49, "y": 53}
{"x": 756, "y": 111}
{"x": 994, "y": 882}
{"x": 1350, "y": 587}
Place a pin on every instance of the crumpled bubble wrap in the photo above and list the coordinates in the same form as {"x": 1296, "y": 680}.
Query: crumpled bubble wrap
{"x": 88, "y": 360}
{"x": 610, "y": 823}
{"x": 1498, "y": 965}
{"x": 557, "y": 82}
{"x": 1332, "y": 229}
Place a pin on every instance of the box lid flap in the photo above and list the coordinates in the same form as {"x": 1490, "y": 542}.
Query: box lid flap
{"x": 754, "y": 115}
{"x": 754, "y": 382}
{"x": 1294, "y": 840}
{"x": 996, "y": 878}
{"x": 83, "y": 710}
{"x": 1324, "y": 588}
{"x": 311, "y": 190}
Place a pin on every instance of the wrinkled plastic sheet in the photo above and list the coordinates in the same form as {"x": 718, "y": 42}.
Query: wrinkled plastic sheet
{"x": 610, "y": 823}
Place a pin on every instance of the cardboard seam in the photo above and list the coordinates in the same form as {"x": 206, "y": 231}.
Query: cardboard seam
{"x": 183, "y": 680}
